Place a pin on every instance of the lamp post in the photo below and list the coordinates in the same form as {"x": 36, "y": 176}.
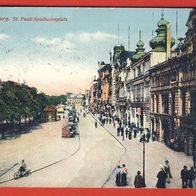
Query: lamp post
{"x": 143, "y": 140}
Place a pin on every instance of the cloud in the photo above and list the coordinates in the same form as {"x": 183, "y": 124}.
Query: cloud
{"x": 54, "y": 43}
{"x": 4, "y": 36}
{"x": 85, "y": 37}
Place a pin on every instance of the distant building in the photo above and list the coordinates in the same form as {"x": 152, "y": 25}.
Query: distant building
{"x": 105, "y": 77}
{"x": 75, "y": 100}
{"x": 86, "y": 101}
{"x": 61, "y": 112}
{"x": 49, "y": 114}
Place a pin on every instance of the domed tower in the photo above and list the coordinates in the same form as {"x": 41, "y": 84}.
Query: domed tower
{"x": 163, "y": 41}
{"x": 140, "y": 50}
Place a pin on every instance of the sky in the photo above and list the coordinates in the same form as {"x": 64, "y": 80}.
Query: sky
{"x": 60, "y": 57}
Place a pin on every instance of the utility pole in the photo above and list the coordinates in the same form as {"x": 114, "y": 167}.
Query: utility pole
{"x": 129, "y": 38}
{"x": 118, "y": 34}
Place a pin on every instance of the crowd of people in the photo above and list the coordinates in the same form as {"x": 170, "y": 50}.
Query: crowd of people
{"x": 129, "y": 130}
{"x": 188, "y": 177}
{"x": 121, "y": 175}
{"x": 125, "y": 128}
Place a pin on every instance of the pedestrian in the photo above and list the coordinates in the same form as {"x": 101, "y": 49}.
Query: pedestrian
{"x": 194, "y": 159}
{"x": 118, "y": 175}
{"x": 124, "y": 175}
{"x": 114, "y": 125}
{"x": 184, "y": 176}
{"x": 191, "y": 177}
{"x": 102, "y": 122}
{"x": 95, "y": 124}
{"x": 118, "y": 131}
{"x": 135, "y": 132}
{"x": 162, "y": 176}
{"x": 168, "y": 171}
{"x": 129, "y": 124}
{"x": 141, "y": 130}
{"x": 148, "y": 136}
{"x": 106, "y": 120}
{"x": 126, "y": 131}
{"x": 122, "y": 131}
{"x": 130, "y": 135}
{"x": 110, "y": 120}
{"x": 194, "y": 181}
{"x": 139, "y": 181}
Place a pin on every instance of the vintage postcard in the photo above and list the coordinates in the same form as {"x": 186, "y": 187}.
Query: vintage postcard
{"x": 98, "y": 97}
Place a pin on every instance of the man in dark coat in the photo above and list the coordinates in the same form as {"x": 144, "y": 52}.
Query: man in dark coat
{"x": 139, "y": 181}
{"x": 135, "y": 132}
{"x": 191, "y": 177}
{"x": 162, "y": 176}
{"x": 184, "y": 176}
{"x": 122, "y": 131}
{"x": 118, "y": 131}
{"x": 110, "y": 120}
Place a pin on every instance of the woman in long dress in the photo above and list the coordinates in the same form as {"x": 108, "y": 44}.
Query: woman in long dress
{"x": 118, "y": 175}
{"x": 162, "y": 176}
{"x": 124, "y": 175}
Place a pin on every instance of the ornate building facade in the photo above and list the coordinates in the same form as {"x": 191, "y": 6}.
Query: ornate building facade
{"x": 173, "y": 95}
{"x": 138, "y": 78}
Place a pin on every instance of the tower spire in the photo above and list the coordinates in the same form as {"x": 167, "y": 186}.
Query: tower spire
{"x": 162, "y": 14}
{"x": 152, "y": 21}
{"x": 129, "y": 38}
{"x": 176, "y": 24}
{"x": 139, "y": 35}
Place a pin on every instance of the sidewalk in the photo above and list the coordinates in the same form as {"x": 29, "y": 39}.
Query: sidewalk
{"x": 156, "y": 154}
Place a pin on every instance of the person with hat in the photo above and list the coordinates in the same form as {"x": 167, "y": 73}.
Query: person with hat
{"x": 118, "y": 175}
{"x": 184, "y": 176}
{"x": 23, "y": 168}
{"x": 191, "y": 177}
{"x": 124, "y": 175}
{"x": 168, "y": 171}
{"x": 139, "y": 181}
{"x": 162, "y": 176}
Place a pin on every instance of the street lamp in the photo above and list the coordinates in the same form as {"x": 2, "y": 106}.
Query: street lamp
{"x": 144, "y": 141}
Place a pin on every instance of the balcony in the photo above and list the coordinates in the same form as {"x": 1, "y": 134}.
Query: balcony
{"x": 137, "y": 102}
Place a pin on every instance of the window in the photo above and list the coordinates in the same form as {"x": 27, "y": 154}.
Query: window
{"x": 193, "y": 103}
{"x": 133, "y": 73}
{"x": 183, "y": 95}
{"x": 157, "y": 99}
{"x": 173, "y": 76}
{"x": 139, "y": 71}
{"x": 173, "y": 103}
{"x": 165, "y": 103}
